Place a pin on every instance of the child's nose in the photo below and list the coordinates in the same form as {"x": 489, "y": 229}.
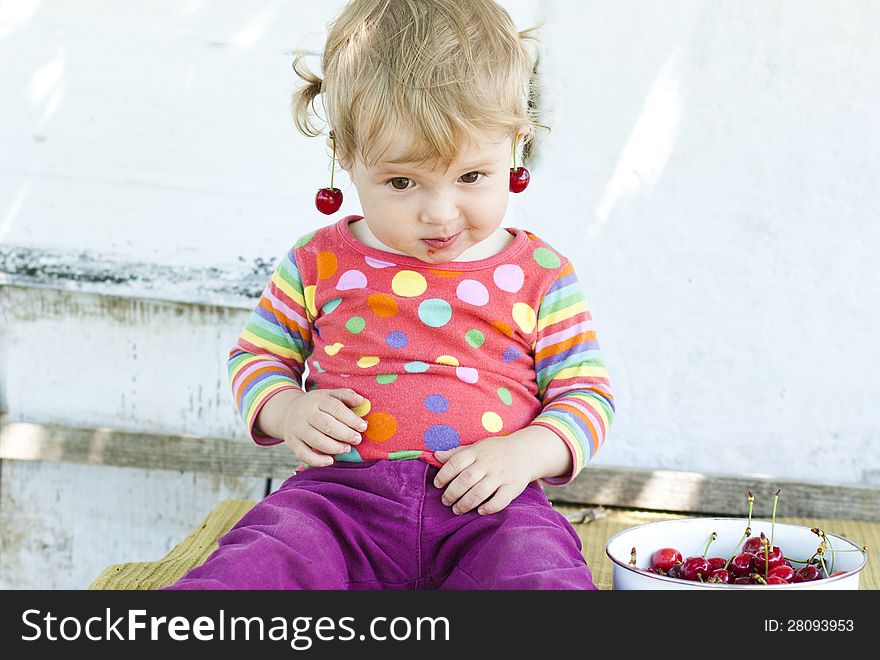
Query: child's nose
{"x": 440, "y": 211}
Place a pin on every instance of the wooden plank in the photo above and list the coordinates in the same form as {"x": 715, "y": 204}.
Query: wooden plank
{"x": 658, "y": 490}
{"x": 694, "y": 492}
{"x": 25, "y": 441}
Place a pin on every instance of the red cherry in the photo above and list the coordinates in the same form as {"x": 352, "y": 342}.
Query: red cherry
{"x": 837, "y": 573}
{"x": 651, "y": 569}
{"x": 743, "y": 579}
{"x": 716, "y": 562}
{"x": 775, "y": 559}
{"x": 754, "y": 544}
{"x": 674, "y": 572}
{"x": 721, "y": 576}
{"x": 784, "y": 572}
{"x": 665, "y": 558}
{"x": 519, "y": 179}
{"x": 807, "y": 574}
{"x": 742, "y": 564}
{"x": 694, "y": 566}
{"x": 328, "y": 200}
{"x": 774, "y": 579}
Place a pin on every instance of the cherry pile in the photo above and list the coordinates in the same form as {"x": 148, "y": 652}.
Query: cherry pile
{"x": 757, "y": 562}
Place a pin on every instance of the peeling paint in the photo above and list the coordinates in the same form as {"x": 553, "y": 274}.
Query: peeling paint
{"x": 235, "y": 286}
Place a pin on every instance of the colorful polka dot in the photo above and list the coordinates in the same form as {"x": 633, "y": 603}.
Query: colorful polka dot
{"x": 396, "y": 339}
{"x": 546, "y": 258}
{"x": 386, "y": 379}
{"x": 436, "y": 403}
{"x": 503, "y": 328}
{"x": 435, "y": 312}
{"x": 317, "y": 367}
{"x": 475, "y": 338}
{"x": 333, "y": 349}
{"x": 355, "y": 325}
{"x": 472, "y": 292}
{"x": 326, "y": 265}
{"x": 368, "y": 361}
{"x": 380, "y": 426}
{"x": 509, "y": 277}
{"x": 448, "y": 274}
{"x": 408, "y": 284}
{"x": 505, "y": 396}
{"x": 525, "y": 317}
{"x": 510, "y": 354}
{"x": 416, "y": 367}
{"x": 467, "y": 374}
{"x": 363, "y": 408}
{"x": 304, "y": 240}
{"x": 403, "y": 454}
{"x": 309, "y": 298}
{"x": 377, "y": 263}
{"x": 351, "y": 279}
{"x": 330, "y": 305}
{"x": 382, "y": 305}
{"x": 448, "y": 360}
{"x": 440, "y": 437}
{"x": 492, "y": 422}
{"x": 351, "y": 457}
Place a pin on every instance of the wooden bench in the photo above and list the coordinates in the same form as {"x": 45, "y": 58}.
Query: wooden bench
{"x": 630, "y": 496}
{"x": 594, "y": 534}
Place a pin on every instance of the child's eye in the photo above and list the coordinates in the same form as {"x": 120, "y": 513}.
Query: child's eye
{"x": 471, "y": 177}
{"x": 399, "y": 183}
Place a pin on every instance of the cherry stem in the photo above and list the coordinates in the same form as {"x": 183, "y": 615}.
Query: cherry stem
{"x": 748, "y": 532}
{"x": 751, "y": 501}
{"x": 767, "y": 549}
{"x": 773, "y": 521}
{"x": 515, "y": 140}
{"x": 333, "y": 160}
{"x": 711, "y": 538}
{"x": 632, "y": 557}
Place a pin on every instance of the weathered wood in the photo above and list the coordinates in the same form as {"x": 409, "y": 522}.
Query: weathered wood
{"x": 659, "y": 490}
{"x": 102, "y": 446}
{"x": 694, "y": 492}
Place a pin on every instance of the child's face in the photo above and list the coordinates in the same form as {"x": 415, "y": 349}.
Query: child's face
{"x": 406, "y": 204}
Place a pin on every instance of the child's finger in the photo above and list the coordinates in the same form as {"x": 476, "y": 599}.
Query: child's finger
{"x": 466, "y": 483}
{"x": 348, "y": 396}
{"x": 333, "y": 428}
{"x": 343, "y": 413}
{"x": 315, "y": 439}
{"x": 452, "y": 466}
{"x": 502, "y": 497}
{"x": 308, "y": 455}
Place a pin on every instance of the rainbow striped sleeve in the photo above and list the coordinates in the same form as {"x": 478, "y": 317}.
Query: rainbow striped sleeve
{"x": 270, "y": 354}
{"x": 572, "y": 379}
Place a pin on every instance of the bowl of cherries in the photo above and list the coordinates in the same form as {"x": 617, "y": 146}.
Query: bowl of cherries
{"x": 733, "y": 553}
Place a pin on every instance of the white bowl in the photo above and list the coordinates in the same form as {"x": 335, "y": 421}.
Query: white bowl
{"x": 690, "y": 535}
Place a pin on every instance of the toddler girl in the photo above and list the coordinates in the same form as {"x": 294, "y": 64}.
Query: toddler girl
{"x": 451, "y": 364}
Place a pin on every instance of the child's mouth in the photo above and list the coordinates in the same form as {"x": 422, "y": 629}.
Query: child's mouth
{"x": 441, "y": 244}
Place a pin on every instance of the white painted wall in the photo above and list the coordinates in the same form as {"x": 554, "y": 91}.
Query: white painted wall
{"x": 712, "y": 173}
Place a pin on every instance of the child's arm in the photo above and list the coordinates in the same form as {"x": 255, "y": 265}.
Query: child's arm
{"x": 572, "y": 378}
{"x": 269, "y": 356}
{"x": 578, "y": 409}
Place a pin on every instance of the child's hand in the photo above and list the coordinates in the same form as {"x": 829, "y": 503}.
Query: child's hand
{"x": 319, "y": 424}
{"x": 491, "y": 473}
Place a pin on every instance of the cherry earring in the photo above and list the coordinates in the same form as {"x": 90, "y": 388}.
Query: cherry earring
{"x": 328, "y": 200}
{"x": 519, "y": 176}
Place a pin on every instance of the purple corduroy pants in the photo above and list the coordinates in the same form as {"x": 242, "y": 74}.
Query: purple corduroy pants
{"x": 382, "y": 525}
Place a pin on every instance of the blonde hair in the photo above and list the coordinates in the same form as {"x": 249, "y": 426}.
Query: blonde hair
{"x": 437, "y": 72}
